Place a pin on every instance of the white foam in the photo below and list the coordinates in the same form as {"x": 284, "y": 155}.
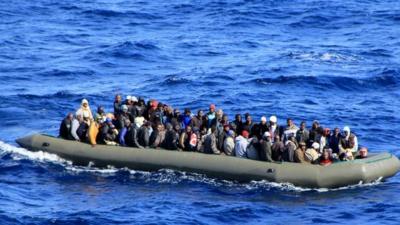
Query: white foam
{"x": 19, "y": 153}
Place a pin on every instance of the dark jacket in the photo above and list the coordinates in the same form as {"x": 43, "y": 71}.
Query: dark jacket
{"x": 131, "y": 138}
{"x": 334, "y": 143}
{"x": 171, "y": 140}
{"x": 82, "y": 131}
{"x": 266, "y": 151}
{"x": 65, "y": 129}
{"x": 302, "y": 136}
{"x": 144, "y": 136}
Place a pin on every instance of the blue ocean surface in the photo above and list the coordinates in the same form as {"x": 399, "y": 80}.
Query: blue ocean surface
{"x": 334, "y": 61}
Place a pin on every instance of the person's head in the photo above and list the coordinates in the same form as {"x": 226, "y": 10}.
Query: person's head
{"x": 177, "y": 113}
{"x": 231, "y": 133}
{"x": 187, "y": 112}
{"x": 302, "y": 145}
{"x": 226, "y": 128}
{"x": 79, "y": 117}
{"x": 168, "y": 126}
{"x": 127, "y": 122}
{"x": 273, "y": 120}
{"x": 337, "y": 131}
{"x": 200, "y": 113}
{"x": 238, "y": 117}
{"x": 225, "y": 118}
{"x": 289, "y": 122}
{"x": 263, "y": 120}
{"x": 100, "y": 110}
{"x": 212, "y": 108}
{"x": 85, "y": 103}
{"x": 141, "y": 101}
{"x": 346, "y": 131}
{"x": 128, "y": 99}
{"x": 248, "y": 118}
{"x": 160, "y": 127}
{"x": 303, "y": 125}
{"x": 326, "y": 154}
{"x": 153, "y": 104}
{"x": 124, "y": 108}
{"x": 70, "y": 116}
{"x": 220, "y": 113}
{"x": 326, "y": 132}
{"x": 245, "y": 134}
{"x": 277, "y": 138}
{"x": 108, "y": 121}
{"x": 315, "y": 124}
{"x": 118, "y": 98}
{"x": 363, "y": 152}
{"x": 266, "y": 136}
{"x": 134, "y": 99}
{"x": 177, "y": 127}
{"x": 160, "y": 106}
{"x": 188, "y": 129}
{"x": 315, "y": 146}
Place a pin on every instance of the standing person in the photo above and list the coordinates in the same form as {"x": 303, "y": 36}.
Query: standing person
{"x": 324, "y": 139}
{"x": 210, "y": 116}
{"x": 117, "y": 105}
{"x": 123, "y": 133}
{"x": 75, "y": 126}
{"x": 65, "y": 127}
{"x": 302, "y": 135}
{"x": 262, "y": 127}
{"x": 348, "y": 143}
{"x": 123, "y": 117}
{"x": 291, "y": 146}
{"x": 314, "y": 133}
{"x": 248, "y": 123}
{"x": 238, "y": 123}
{"x": 290, "y": 130}
{"x": 85, "y": 111}
{"x": 198, "y": 120}
{"x": 241, "y": 144}
{"x": 334, "y": 140}
{"x": 229, "y": 143}
{"x": 186, "y": 118}
{"x": 171, "y": 138}
{"x": 274, "y": 129}
{"x": 266, "y": 147}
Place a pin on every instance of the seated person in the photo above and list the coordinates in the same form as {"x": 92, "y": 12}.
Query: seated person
{"x": 362, "y": 153}
{"x": 241, "y": 144}
{"x": 326, "y": 159}
{"x": 299, "y": 154}
{"x": 210, "y": 142}
{"x": 108, "y": 133}
{"x": 312, "y": 154}
{"x": 348, "y": 142}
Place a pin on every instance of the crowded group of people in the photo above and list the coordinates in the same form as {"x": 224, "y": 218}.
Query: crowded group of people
{"x": 152, "y": 124}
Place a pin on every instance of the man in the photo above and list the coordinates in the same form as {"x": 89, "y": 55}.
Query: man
{"x": 266, "y": 147}
{"x": 229, "y": 143}
{"x": 314, "y": 134}
{"x": 238, "y": 123}
{"x": 171, "y": 138}
{"x": 124, "y": 116}
{"x": 273, "y": 128}
{"x": 108, "y": 133}
{"x": 185, "y": 139}
{"x": 210, "y": 116}
{"x": 278, "y": 148}
{"x": 123, "y": 133}
{"x": 324, "y": 139}
{"x": 290, "y": 130}
{"x": 144, "y": 134}
{"x": 248, "y": 123}
{"x": 348, "y": 143}
{"x": 65, "y": 127}
{"x": 210, "y": 142}
{"x": 131, "y": 137}
{"x": 117, "y": 105}
{"x": 291, "y": 146}
{"x": 241, "y": 144}
{"x": 158, "y": 136}
{"x": 197, "y": 121}
{"x": 334, "y": 140}
{"x": 302, "y": 135}
{"x": 262, "y": 128}
{"x": 299, "y": 154}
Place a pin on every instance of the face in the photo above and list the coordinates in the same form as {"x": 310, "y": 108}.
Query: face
{"x": 159, "y": 127}
{"x": 118, "y": 98}
{"x": 346, "y": 133}
{"x": 303, "y": 126}
{"x": 238, "y": 117}
{"x": 84, "y": 104}
{"x": 263, "y": 122}
{"x": 212, "y": 109}
{"x": 337, "y": 131}
{"x": 289, "y": 123}
{"x": 303, "y": 147}
{"x": 188, "y": 129}
{"x": 225, "y": 118}
{"x": 248, "y": 119}
{"x": 70, "y": 116}
{"x": 226, "y": 128}
{"x": 326, "y": 155}
{"x": 363, "y": 154}
{"x": 200, "y": 113}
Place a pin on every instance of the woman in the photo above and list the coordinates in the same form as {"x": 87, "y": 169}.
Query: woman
{"x": 85, "y": 111}
{"x": 325, "y": 159}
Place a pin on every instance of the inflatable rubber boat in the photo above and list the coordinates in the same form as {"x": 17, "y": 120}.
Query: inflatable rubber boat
{"x": 375, "y": 167}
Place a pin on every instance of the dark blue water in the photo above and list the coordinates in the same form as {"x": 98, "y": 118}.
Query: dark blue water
{"x": 334, "y": 61}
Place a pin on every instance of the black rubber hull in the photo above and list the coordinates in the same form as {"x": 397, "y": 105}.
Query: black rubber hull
{"x": 380, "y": 166}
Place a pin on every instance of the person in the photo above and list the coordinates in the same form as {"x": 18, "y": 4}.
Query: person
{"x": 326, "y": 159}
{"x": 314, "y": 133}
{"x": 312, "y": 154}
{"x": 141, "y": 107}
{"x": 85, "y": 111}
{"x": 201, "y": 140}
{"x": 229, "y": 143}
{"x": 210, "y": 116}
{"x": 131, "y": 137}
{"x": 324, "y": 139}
{"x": 273, "y": 128}
{"x": 302, "y": 135}
{"x": 262, "y": 127}
{"x": 117, "y": 105}
{"x": 100, "y": 115}
{"x": 210, "y": 142}
{"x": 123, "y": 117}
{"x": 238, "y": 124}
{"x": 198, "y": 120}
{"x": 171, "y": 138}
{"x": 299, "y": 154}
{"x": 290, "y": 130}
{"x": 144, "y": 134}
{"x": 188, "y": 140}
{"x": 334, "y": 140}
{"x": 65, "y": 127}
{"x": 277, "y": 148}
{"x": 123, "y": 133}
{"x": 266, "y": 147}
{"x": 241, "y": 144}
{"x": 132, "y": 109}
{"x": 290, "y": 147}
{"x": 362, "y": 153}
{"x": 75, "y": 125}
{"x": 248, "y": 123}
{"x": 152, "y": 111}
{"x": 108, "y": 133}
{"x": 83, "y": 128}
{"x": 158, "y": 136}
{"x": 186, "y": 118}
{"x": 348, "y": 143}
{"x": 253, "y": 149}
